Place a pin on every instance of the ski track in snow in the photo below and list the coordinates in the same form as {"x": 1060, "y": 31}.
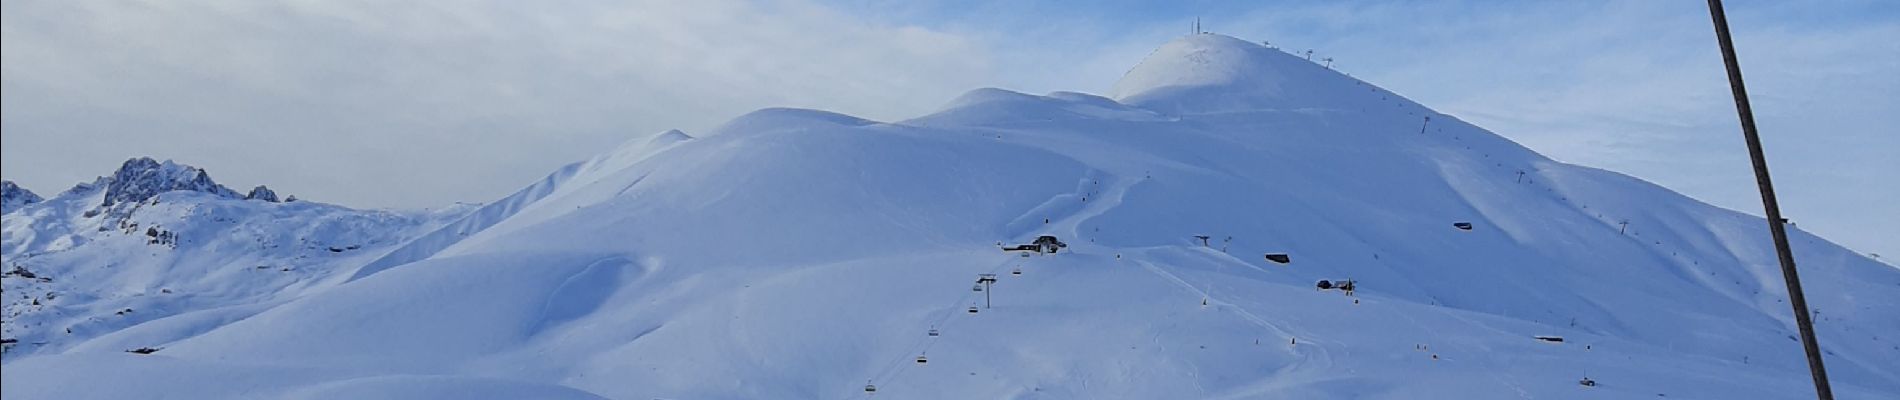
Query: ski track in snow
{"x": 1310, "y": 368}
{"x": 1102, "y": 200}
{"x": 948, "y": 317}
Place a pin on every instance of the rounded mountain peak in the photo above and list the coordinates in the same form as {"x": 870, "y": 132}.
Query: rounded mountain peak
{"x": 1210, "y": 73}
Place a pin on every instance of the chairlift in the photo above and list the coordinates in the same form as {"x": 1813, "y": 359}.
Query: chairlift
{"x": 1018, "y": 271}
{"x": 1281, "y": 258}
{"x": 922, "y": 360}
{"x": 972, "y": 309}
{"x": 934, "y": 333}
{"x": 1462, "y": 225}
{"x": 976, "y": 288}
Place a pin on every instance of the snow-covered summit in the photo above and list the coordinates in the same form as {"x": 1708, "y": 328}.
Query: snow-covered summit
{"x": 141, "y": 178}
{"x": 780, "y": 119}
{"x": 12, "y": 196}
{"x": 669, "y": 137}
{"x": 1210, "y": 73}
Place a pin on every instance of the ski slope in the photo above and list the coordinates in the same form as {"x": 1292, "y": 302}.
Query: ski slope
{"x": 807, "y": 254}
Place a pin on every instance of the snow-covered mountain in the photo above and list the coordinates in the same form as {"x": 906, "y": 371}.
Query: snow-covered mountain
{"x": 161, "y": 242}
{"x": 808, "y": 254}
{"x": 142, "y": 178}
{"x": 12, "y": 197}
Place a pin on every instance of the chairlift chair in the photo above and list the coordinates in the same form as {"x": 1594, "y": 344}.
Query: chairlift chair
{"x": 1018, "y": 271}
{"x": 976, "y": 288}
{"x": 1462, "y": 225}
{"x": 934, "y": 333}
{"x": 972, "y": 309}
{"x": 1281, "y": 258}
{"x": 922, "y": 360}
{"x": 869, "y": 388}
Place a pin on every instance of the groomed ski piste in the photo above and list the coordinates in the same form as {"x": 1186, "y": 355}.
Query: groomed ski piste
{"x": 807, "y": 254}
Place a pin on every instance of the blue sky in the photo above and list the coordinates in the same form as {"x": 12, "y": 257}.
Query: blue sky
{"x": 416, "y": 104}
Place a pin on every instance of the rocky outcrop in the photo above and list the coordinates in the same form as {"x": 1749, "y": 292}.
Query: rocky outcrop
{"x": 142, "y": 178}
{"x": 262, "y": 193}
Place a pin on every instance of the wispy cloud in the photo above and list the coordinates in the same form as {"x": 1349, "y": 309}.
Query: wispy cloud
{"x": 419, "y": 103}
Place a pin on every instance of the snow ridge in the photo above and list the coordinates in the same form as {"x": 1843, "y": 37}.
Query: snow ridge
{"x": 12, "y": 197}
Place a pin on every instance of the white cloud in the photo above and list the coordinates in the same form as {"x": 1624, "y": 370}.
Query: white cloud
{"x": 373, "y": 103}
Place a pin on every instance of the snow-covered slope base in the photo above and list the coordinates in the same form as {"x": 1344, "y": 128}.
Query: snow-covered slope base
{"x": 805, "y": 254}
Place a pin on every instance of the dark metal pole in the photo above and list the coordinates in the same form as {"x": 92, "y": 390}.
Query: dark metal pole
{"x": 1775, "y": 225}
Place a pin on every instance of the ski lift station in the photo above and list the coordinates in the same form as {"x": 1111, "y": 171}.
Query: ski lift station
{"x": 1043, "y": 244}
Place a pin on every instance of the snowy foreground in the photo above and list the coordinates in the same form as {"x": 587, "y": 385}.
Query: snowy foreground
{"x": 807, "y": 254}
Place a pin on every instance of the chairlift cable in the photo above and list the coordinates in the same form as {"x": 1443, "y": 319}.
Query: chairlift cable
{"x": 895, "y": 369}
